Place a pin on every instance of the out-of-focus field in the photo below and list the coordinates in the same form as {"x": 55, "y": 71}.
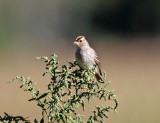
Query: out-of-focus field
{"x": 133, "y": 67}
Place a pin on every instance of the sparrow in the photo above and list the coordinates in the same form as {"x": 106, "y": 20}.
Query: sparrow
{"x": 86, "y": 57}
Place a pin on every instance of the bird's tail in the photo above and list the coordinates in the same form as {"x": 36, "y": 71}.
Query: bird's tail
{"x": 99, "y": 67}
{"x": 98, "y": 77}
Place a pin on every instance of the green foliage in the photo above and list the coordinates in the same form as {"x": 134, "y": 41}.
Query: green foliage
{"x": 68, "y": 90}
{"x": 9, "y": 118}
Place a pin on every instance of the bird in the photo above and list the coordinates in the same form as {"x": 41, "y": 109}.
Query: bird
{"x": 86, "y": 56}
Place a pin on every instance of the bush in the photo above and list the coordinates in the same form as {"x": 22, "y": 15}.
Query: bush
{"x": 68, "y": 90}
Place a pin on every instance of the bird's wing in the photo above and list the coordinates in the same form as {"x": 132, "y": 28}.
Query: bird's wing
{"x": 98, "y": 63}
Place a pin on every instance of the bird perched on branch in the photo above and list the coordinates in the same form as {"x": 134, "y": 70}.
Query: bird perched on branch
{"x": 86, "y": 56}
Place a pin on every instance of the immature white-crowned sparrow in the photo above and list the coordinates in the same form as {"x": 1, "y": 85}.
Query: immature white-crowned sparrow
{"x": 86, "y": 56}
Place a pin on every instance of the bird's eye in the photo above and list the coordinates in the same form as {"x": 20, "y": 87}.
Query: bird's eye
{"x": 80, "y": 41}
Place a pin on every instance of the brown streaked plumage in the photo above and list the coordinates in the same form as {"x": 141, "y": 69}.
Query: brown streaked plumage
{"x": 86, "y": 56}
{"x": 98, "y": 64}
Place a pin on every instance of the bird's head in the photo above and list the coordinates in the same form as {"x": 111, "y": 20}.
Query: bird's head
{"x": 81, "y": 42}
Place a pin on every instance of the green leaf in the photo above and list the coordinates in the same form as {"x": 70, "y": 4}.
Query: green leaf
{"x": 32, "y": 99}
{"x": 42, "y": 120}
{"x": 35, "y": 121}
{"x": 42, "y": 96}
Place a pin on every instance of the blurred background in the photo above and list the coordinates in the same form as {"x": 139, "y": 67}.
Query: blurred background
{"x": 124, "y": 33}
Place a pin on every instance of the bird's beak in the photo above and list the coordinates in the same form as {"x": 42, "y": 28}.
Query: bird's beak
{"x": 75, "y": 42}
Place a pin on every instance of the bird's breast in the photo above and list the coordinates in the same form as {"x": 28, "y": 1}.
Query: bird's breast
{"x": 85, "y": 59}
